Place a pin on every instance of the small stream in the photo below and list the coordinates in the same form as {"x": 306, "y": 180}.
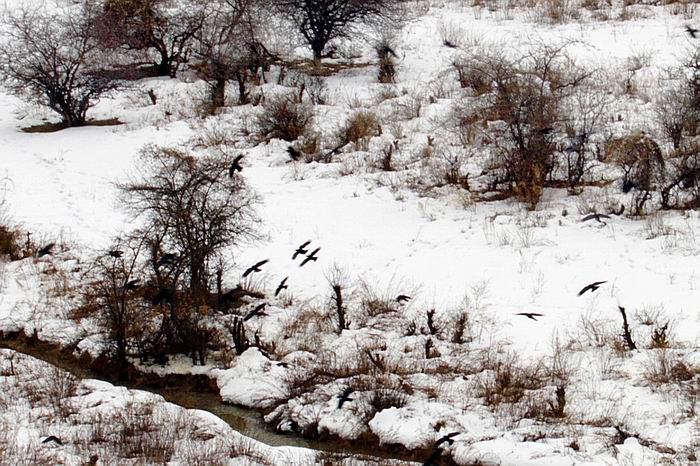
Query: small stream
{"x": 196, "y": 392}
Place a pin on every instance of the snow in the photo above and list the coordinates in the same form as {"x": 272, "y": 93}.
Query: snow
{"x": 438, "y": 248}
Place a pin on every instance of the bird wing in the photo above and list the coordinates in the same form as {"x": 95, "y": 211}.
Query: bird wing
{"x": 261, "y": 263}
{"x": 305, "y": 244}
{"x": 584, "y": 289}
{"x": 313, "y": 253}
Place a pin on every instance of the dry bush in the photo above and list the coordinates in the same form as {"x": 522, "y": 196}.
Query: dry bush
{"x": 10, "y": 235}
{"x": 664, "y": 366}
{"x": 505, "y": 379}
{"x": 283, "y": 118}
{"x": 642, "y": 164}
{"x": 521, "y": 103}
{"x": 359, "y": 129}
{"x": 386, "y": 55}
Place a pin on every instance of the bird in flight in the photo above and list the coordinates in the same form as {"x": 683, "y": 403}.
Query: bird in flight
{"x": 116, "y": 253}
{"x": 592, "y": 287}
{"x": 282, "y": 286}
{"x": 345, "y": 397}
{"x": 595, "y": 216}
{"x": 310, "y": 257}
{"x": 132, "y": 285}
{"x": 166, "y": 259}
{"x": 446, "y": 438}
{"x": 402, "y": 298}
{"x": 301, "y": 250}
{"x": 258, "y": 311}
{"x": 530, "y": 315}
{"x": 692, "y": 31}
{"x": 52, "y": 438}
{"x": 46, "y": 250}
{"x": 255, "y": 267}
{"x": 235, "y": 166}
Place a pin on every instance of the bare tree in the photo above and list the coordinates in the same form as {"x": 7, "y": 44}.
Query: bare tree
{"x": 320, "y": 21}
{"x": 114, "y": 295}
{"x": 55, "y": 59}
{"x": 167, "y": 27}
{"x": 228, "y": 48}
{"x": 195, "y": 207}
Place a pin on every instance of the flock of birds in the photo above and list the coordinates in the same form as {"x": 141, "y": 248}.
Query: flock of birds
{"x": 592, "y": 287}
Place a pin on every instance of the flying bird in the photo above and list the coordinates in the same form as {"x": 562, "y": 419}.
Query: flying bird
{"x": 592, "y": 287}
{"x": 692, "y": 31}
{"x": 301, "y": 250}
{"x": 132, "y": 285}
{"x": 446, "y": 438}
{"x": 281, "y": 286}
{"x": 345, "y": 397}
{"x": 52, "y": 438}
{"x": 235, "y": 166}
{"x": 310, "y": 257}
{"x": 595, "y": 216}
{"x": 258, "y": 311}
{"x": 530, "y": 315}
{"x": 166, "y": 259}
{"x": 255, "y": 267}
{"x": 116, "y": 253}
{"x": 402, "y": 298}
{"x": 46, "y": 250}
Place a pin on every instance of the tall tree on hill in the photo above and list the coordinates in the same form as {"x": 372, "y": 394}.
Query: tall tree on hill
{"x": 320, "y": 21}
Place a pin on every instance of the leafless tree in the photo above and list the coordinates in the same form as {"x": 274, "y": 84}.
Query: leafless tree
{"x": 228, "y": 48}
{"x": 194, "y": 207}
{"x": 55, "y": 59}
{"x": 114, "y": 295}
{"x": 320, "y": 21}
{"x": 166, "y": 27}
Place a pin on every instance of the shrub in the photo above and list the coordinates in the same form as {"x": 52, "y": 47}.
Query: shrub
{"x": 362, "y": 126}
{"x": 283, "y": 118}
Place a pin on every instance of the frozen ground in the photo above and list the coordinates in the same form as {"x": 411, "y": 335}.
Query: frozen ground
{"x": 491, "y": 260}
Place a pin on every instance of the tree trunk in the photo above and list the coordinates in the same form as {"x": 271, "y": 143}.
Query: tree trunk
{"x": 218, "y": 95}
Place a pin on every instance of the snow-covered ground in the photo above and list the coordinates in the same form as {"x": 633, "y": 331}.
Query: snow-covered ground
{"x": 485, "y": 261}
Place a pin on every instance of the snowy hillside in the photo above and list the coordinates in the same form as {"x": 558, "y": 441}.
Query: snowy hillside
{"x": 459, "y": 354}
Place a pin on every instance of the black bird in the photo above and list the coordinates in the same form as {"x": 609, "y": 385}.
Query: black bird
{"x": 402, "y": 298}
{"x": 595, "y": 216}
{"x": 283, "y": 364}
{"x": 281, "y": 286}
{"x": 132, "y": 285}
{"x": 164, "y": 295}
{"x": 446, "y": 438}
{"x": 52, "y": 438}
{"x": 592, "y": 287}
{"x": 293, "y": 153}
{"x": 301, "y": 250}
{"x": 255, "y": 267}
{"x": 166, "y": 259}
{"x": 258, "y": 311}
{"x": 116, "y": 253}
{"x": 310, "y": 257}
{"x": 546, "y": 130}
{"x": 628, "y": 185}
{"x": 692, "y": 31}
{"x": 530, "y": 315}
{"x": 235, "y": 166}
{"x": 344, "y": 397}
{"x": 46, "y": 250}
